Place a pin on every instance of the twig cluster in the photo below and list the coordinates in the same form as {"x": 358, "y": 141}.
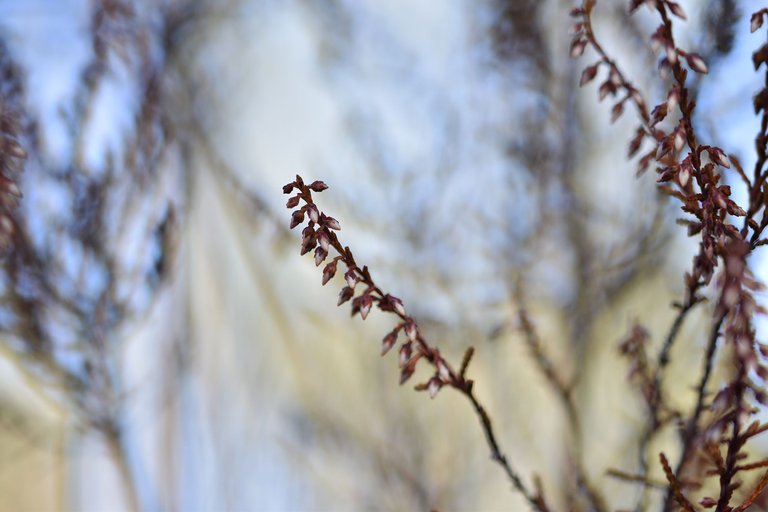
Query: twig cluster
{"x": 319, "y": 235}
{"x": 713, "y": 436}
{"x": 694, "y": 173}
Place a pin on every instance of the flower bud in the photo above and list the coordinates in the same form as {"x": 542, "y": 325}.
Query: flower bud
{"x": 434, "y": 386}
{"x": 388, "y": 342}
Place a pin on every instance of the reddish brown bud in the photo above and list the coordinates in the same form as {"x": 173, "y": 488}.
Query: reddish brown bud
{"x": 318, "y": 186}
{"x": 677, "y": 10}
{"x": 588, "y": 74}
{"x": 443, "y": 371}
{"x": 636, "y": 142}
{"x": 756, "y": 21}
{"x": 659, "y": 113}
{"x": 365, "y": 305}
{"x": 434, "y": 386}
{"x": 323, "y": 240}
{"x": 388, "y": 342}
{"x": 345, "y": 294}
{"x": 411, "y": 331}
{"x": 694, "y": 228}
{"x": 673, "y": 98}
{"x": 718, "y": 156}
{"x": 679, "y": 138}
{"x": 308, "y": 242}
{"x": 671, "y": 54}
{"x": 406, "y": 373}
{"x": 351, "y": 277}
{"x": 314, "y": 214}
{"x": 287, "y": 188}
{"x": 405, "y": 354}
{"x": 697, "y": 63}
{"x": 606, "y": 88}
{"x": 576, "y": 28}
{"x": 332, "y": 223}
{"x": 397, "y": 304}
{"x": 329, "y": 271}
{"x": 320, "y": 255}
{"x": 616, "y": 111}
{"x": 297, "y": 218}
{"x": 577, "y": 47}
{"x": 292, "y": 202}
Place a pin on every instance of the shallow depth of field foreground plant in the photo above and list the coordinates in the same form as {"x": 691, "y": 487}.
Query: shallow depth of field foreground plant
{"x": 711, "y": 463}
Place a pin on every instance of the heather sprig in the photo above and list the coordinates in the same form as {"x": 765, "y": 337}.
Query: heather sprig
{"x": 693, "y": 173}
{"x": 319, "y": 235}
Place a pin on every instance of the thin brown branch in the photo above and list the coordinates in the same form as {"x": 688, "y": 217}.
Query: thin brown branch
{"x": 320, "y": 235}
{"x": 692, "y": 426}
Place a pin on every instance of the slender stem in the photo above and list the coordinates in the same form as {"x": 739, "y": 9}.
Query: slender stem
{"x": 497, "y": 455}
{"x": 416, "y": 347}
{"x": 692, "y": 427}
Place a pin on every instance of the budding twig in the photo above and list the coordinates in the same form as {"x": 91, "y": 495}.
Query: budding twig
{"x": 320, "y": 236}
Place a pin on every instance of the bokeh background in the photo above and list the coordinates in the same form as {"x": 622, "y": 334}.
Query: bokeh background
{"x": 164, "y": 347}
